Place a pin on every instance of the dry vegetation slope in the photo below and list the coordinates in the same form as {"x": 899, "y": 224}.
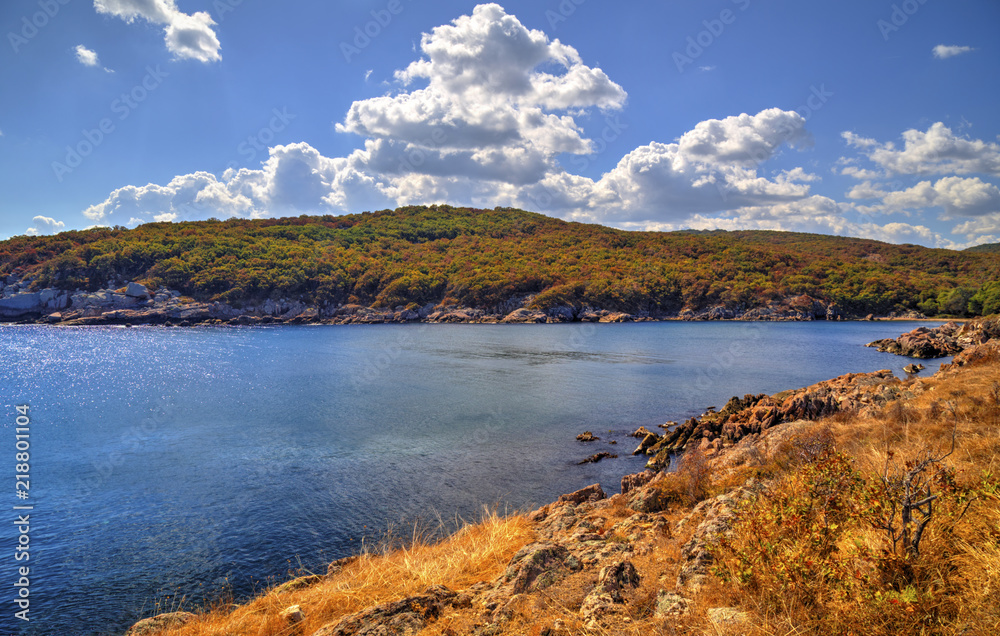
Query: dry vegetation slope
{"x": 807, "y": 527}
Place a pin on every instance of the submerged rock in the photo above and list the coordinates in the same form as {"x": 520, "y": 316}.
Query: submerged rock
{"x": 593, "y": 459}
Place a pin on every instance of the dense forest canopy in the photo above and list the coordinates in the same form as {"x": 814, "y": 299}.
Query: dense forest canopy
{"x": 483, "y": 258}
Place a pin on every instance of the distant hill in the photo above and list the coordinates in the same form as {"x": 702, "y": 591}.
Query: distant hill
{"x": 990, "y": 248}
{"x": 484, "y": 258}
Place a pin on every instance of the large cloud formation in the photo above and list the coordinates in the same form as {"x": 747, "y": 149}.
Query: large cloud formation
{"x": 938, "y": 151}
{"x": 186, "y": 36}
{"x": 491, "y": 114}
{"x": 486, "y": 117}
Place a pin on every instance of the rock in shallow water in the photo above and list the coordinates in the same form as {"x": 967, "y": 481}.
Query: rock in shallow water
{"x": 593, "y": 459}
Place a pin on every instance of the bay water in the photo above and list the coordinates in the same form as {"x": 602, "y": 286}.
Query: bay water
{"x": 172, "y": 466}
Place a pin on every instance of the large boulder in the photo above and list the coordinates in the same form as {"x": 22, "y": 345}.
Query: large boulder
{"x": 616, "y": 317}
{"x": 696, "y": 554}
{"x": 606, "y": 597}
{"x": 978, "y": 354}
{"x": 561, "y": 314}
{"x": 399, "y": 618}
{"x": 537, "y": 566}
{"x": 922, "y": 342}
{"x": 21, "y": 305}
{"x": 590, "y": 494}
{"x": 638, "y": 480}
{"x": 525, "y": 316}
{"x": 615, "y": 579}
{"x": 650, "y": 497}
{"x": 135, "y": 290}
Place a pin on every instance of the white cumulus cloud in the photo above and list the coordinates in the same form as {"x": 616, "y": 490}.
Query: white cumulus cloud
{"x": 85, "y": 56}
{"x": 958, "y": 196}
{"x": 711, "y": 168}
{"x": 943, "y": 51}
{"x": 295, "y": 179}
{"x": 497, "y": 104}
{"x": 985, "y": 229}
{"x": 187, "y": 36}
{"x": 44, "y": 225}
{"x": 936, "y": 151}
{"x": 818, "y": 214}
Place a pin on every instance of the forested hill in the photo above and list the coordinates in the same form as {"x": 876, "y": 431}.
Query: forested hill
{"x": 989, "y": 247}
{"x": 484, "y": 258}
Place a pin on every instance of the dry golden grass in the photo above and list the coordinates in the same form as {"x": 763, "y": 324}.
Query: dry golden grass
{"x": 952, "y": 586}
{"x": 477, "y": 552}
{"x": 967, "y": 403}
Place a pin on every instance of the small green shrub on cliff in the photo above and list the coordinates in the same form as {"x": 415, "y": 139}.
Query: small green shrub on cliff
{"x": 786, "y": 543}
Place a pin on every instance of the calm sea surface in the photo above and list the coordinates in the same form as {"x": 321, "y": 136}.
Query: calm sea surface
{"x": 184, "y": 462}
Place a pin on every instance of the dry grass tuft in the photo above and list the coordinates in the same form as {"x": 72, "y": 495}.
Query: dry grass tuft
{"x": 477, "y": 552}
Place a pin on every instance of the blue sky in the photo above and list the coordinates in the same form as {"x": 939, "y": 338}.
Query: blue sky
{"x": 861, "y": 118}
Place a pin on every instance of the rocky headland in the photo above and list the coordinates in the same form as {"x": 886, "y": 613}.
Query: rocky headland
{"x": 938, "y": 342}
{"x": 131, "y": 303}
{"x": 655, "y": 557}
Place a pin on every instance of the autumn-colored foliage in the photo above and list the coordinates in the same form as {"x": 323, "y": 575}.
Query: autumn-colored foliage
{"x": 482, "y": 258}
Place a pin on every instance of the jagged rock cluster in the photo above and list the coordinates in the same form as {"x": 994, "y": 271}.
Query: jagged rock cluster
{"x": 753, "y": 414}
{"x": 946, "y": 340}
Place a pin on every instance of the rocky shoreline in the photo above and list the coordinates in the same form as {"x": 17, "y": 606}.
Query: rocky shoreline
{"x": 132, "y": 303}
{"x": 602, "y": 555}
{"x": 938, "y": 342}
